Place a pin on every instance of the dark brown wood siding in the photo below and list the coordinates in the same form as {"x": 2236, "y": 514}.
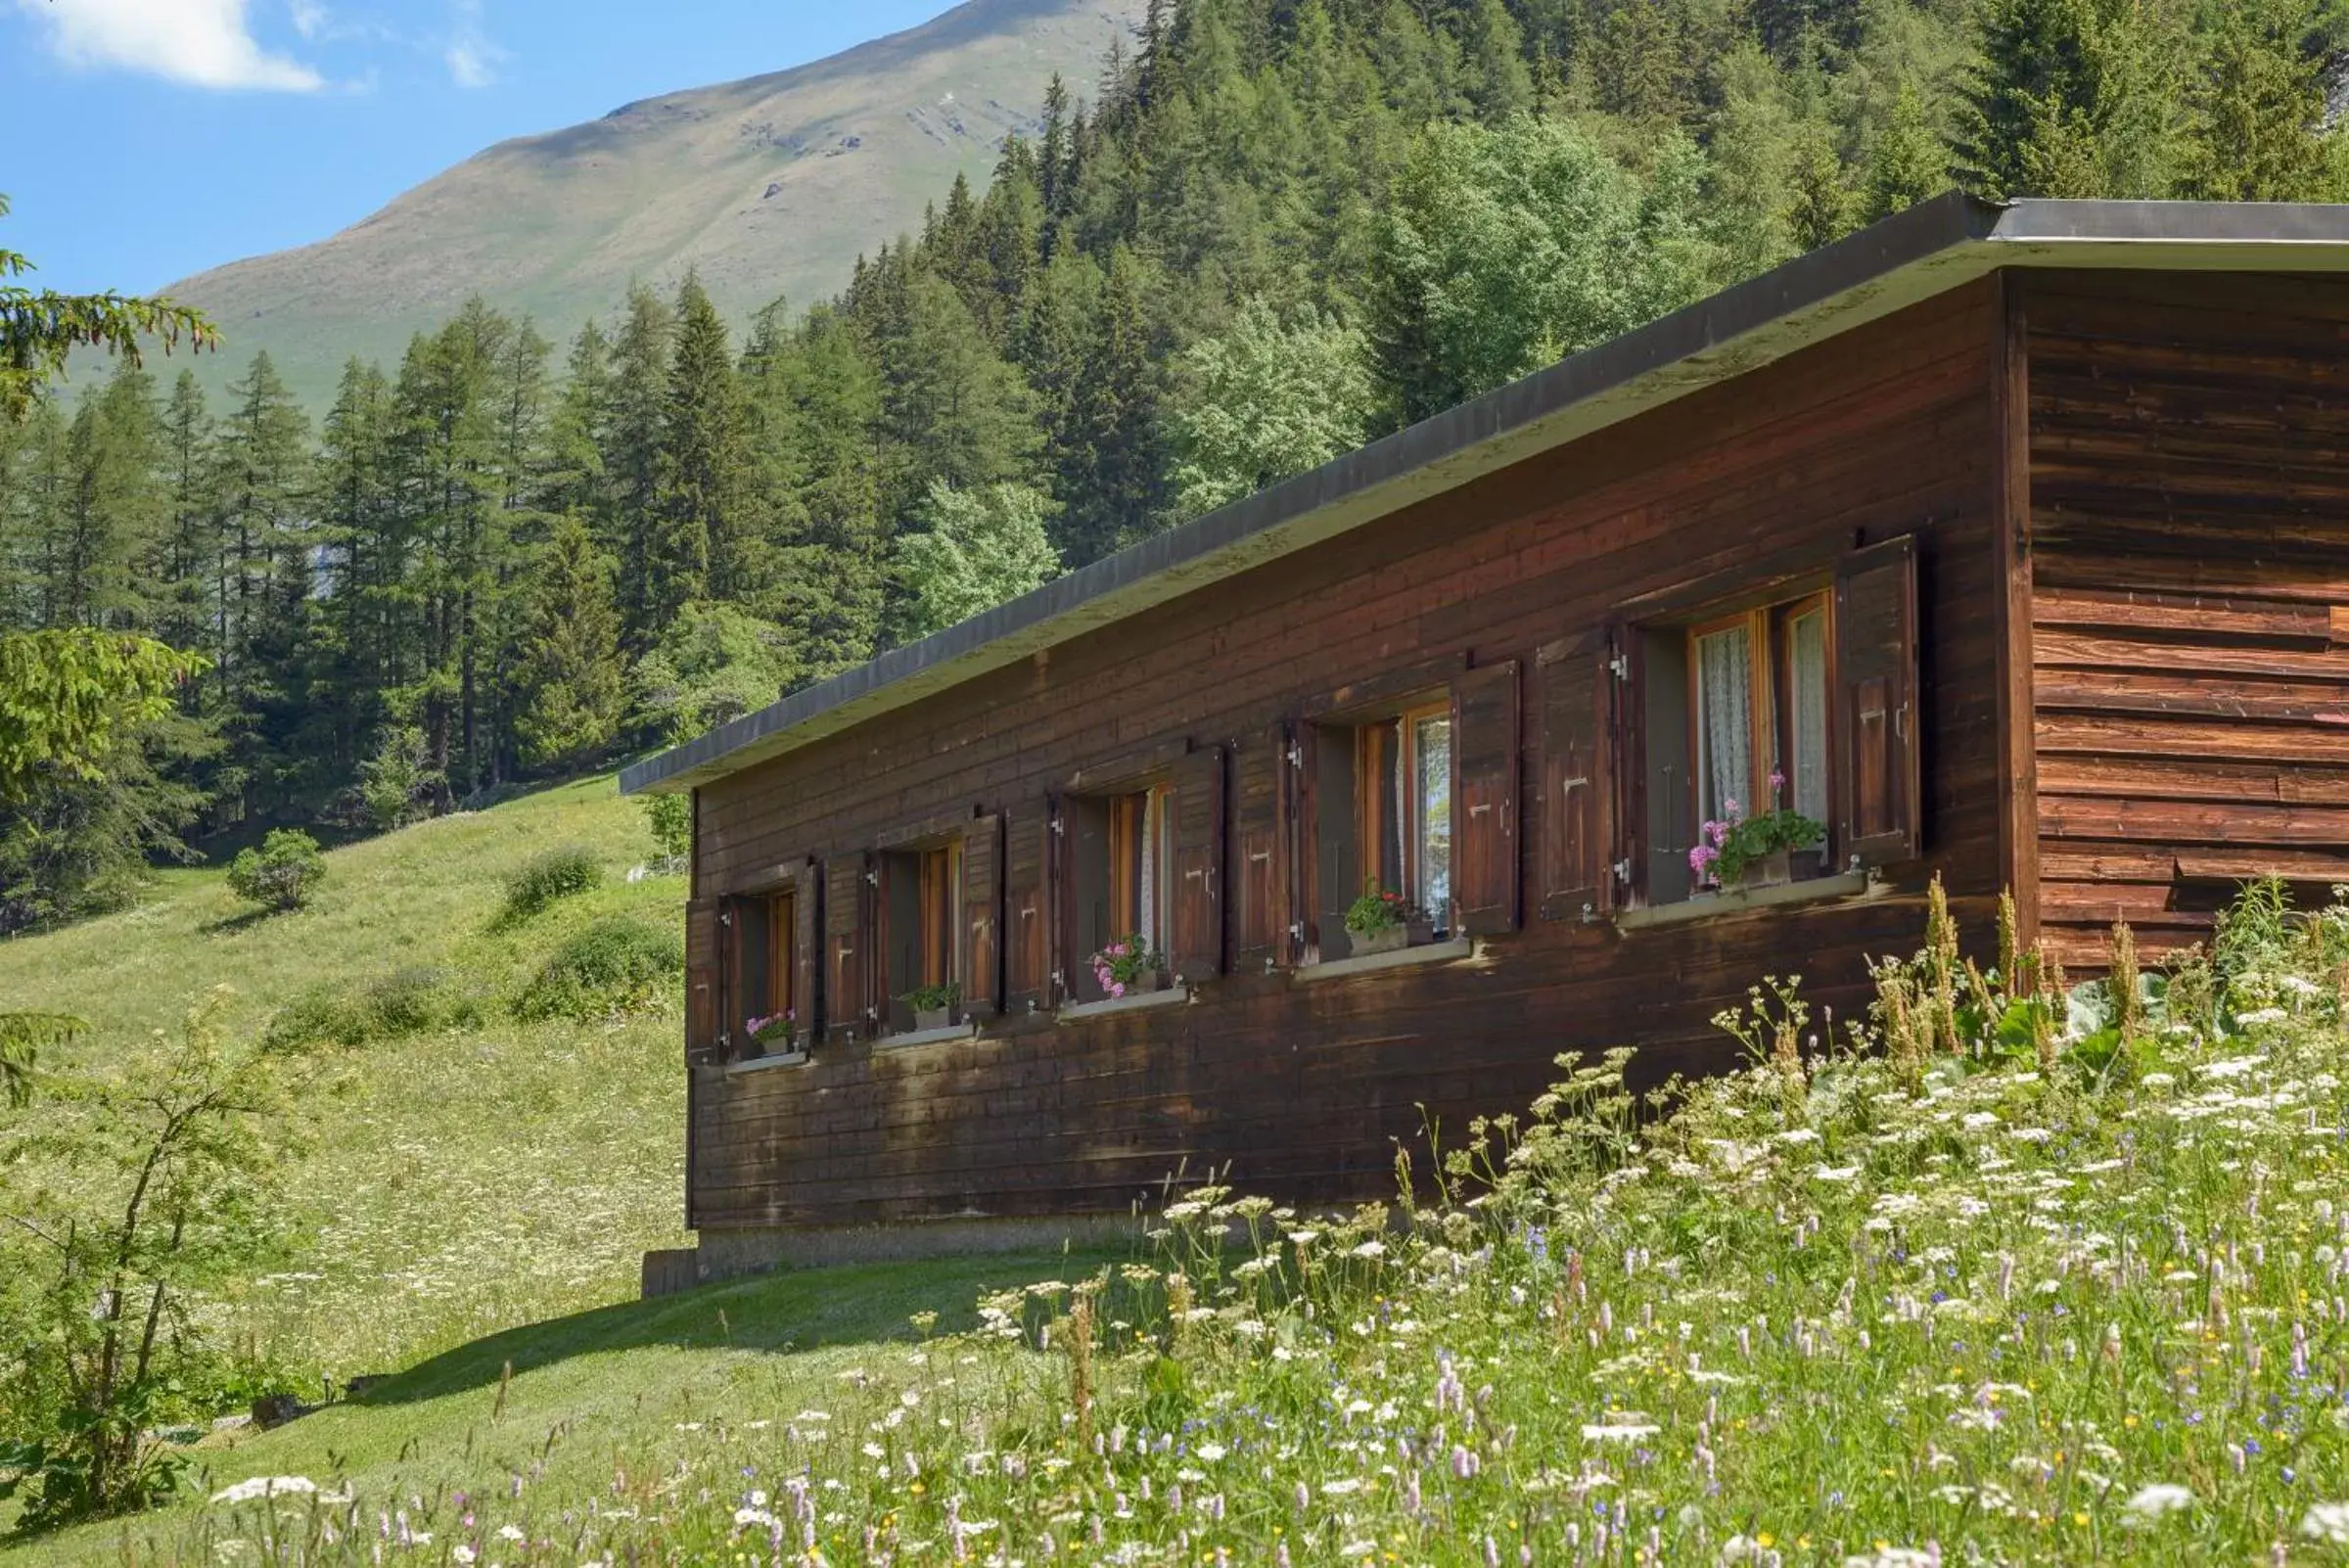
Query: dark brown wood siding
{"x": 1298, "y": 1088}
{"x": 2190, "y": 461}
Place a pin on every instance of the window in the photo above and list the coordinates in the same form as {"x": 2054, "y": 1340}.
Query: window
{"x": 1385, "y": 815}
{"x": 922, "y": 913}
{"x": 761, "y": 997}
{"x": 1122, "y": 860}
{"x": 1142, "y": 838}
{"x": 1736, "y": 724}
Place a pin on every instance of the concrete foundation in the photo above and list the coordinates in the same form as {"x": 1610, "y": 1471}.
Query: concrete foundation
{"x": 734, "y": 1252}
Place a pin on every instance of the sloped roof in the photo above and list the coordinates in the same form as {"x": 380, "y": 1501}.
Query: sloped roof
{"x": 1923, "y": 251}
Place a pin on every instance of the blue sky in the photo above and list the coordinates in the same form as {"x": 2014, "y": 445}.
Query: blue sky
{"x": 151, "y": 139}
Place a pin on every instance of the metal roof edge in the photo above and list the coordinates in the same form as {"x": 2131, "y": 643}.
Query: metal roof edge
{"x": 1913, "y": 256}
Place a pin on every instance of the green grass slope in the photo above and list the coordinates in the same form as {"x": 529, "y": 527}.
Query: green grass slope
{"x": 590, "y": 1411}
{"x": 452, "y": 1183}
{"x": 768, "y": 186}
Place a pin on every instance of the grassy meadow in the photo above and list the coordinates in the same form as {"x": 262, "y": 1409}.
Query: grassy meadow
{"x": 2023, "y": 1274}
{"x": 446, "y": 1183}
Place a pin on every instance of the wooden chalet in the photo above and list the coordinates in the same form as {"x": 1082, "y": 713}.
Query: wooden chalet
{"x": 2014, "y": 539}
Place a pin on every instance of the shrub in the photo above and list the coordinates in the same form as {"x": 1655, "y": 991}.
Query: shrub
{"x": 404, "y": 1002}
{"x": 615, "y": 965}
{"x": 549, "y": 878}
{"x": 282, "y": 874}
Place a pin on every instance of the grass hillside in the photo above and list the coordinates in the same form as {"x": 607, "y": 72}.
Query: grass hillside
{"x": 772, "y": 185}
{"x": 2023, "y": 1274}
{"x": 452, "y": 1181}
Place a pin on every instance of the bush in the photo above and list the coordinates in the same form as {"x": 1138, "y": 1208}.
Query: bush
{"x": 549, "y": 878}
{"x": 404, "y": 1002}
{"x": 614, "y": 966}
{"x": 282, "y": 874}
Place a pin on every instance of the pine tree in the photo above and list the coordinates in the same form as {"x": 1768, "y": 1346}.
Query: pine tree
{"x": 2258, "y": 105}
{"x": 260, "y": 576}
{"x": 572, "y": 689}
{"x": 631, "y": 452}
{"x": 183, "y": 616}
{"x": 1907, "y": 163}
{"x": 818, "y": 402}
{"x": 1115, "y": 498}
{"x": 2071, "y": 97}
{"x": 699, "y": 540}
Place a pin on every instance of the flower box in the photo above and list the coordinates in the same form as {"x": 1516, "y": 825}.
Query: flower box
{"x": 1413, "y": 933}
{"x": 1770, "y": 871}
{"x": 926, "y": 1019}
{"x": 1146, "y": 979}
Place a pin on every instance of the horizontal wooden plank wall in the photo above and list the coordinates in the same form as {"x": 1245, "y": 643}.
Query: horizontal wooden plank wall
{"x": 2189, "y": 466}
{"x": 1300, "y": 1090}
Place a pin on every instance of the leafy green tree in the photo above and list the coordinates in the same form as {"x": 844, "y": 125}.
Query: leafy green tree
{"x": 1265, "y": 399}
{"x": 573, "y": 685}
{"x": 1507, "y": 249}
{"x": 713, "y": 663}
{"x": 171, "y": 1198}
{"x": 981, "y": 548}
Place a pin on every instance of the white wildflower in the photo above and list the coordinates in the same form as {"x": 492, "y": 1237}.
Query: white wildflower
{"x": 2153, "y": 1502}
{"x": 1834, "y": 1172}
{"x": 265, "y": 1486}
{"x": 2328, "y": 1522}
{"x": 1619, "y": 1431}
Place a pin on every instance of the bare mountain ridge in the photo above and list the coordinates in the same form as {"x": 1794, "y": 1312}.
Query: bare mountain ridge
{"x": 769, "y": 185}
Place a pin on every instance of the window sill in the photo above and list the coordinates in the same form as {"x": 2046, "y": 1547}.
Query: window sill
{"x": 1819, "y": 889}
{"x": 926, "y": 1036}
{"x": 1077, "y": 1012}
{"x": 762, "y": 1063}
{"x": 1433, "y": 953}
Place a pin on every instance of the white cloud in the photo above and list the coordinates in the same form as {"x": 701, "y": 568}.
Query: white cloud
{"x": 472, "y": 57}
{"x": 309, "y": 17}
{"x": 199, "y": 43}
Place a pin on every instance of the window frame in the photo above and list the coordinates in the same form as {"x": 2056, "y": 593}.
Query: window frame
{"x": 933, "y": 859}
{"x": 784, "y": 897}
{"x": 1769, "y": 624}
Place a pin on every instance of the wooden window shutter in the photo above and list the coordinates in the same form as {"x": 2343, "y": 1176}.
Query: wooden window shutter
{"x": 982, "y": 917}
{"x": 846, "y": 990}
{"x": 1197, "y": 951}
{"x": 1624, "y": 838}
{"x": 1484, "y": 840}
{"x": 1879, "y": 792}
{"x": 1027, "y": 909}
{"x": 1260, "y": 852}
{"x": 807, "y": 943}
{"x": 701, "y": 981}
{"x": 1577, "y": 784}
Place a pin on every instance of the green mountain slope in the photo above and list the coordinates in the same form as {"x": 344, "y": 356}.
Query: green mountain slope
{"x": 769, "y": 185}
{"x": 452, "y": 1181}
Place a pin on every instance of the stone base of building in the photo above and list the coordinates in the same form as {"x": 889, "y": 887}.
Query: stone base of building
{"x": 733, "y": 1252}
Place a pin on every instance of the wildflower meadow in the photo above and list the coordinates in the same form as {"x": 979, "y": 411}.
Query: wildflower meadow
{"x": 2019, "y": 1272}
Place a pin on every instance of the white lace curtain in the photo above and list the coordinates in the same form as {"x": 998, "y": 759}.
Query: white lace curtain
{"x": 1809, "y": 656}
{"x": 1725, "y": 663}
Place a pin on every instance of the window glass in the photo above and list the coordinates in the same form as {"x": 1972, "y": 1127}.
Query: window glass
{"x": 1806, "y": 661}
{"x": 1724, "y": 667}
{"x": 1431, "y": 802}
